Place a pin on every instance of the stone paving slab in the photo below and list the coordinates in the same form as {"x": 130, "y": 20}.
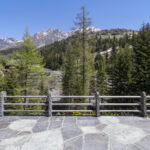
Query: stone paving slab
{"x": 74, "y": 133}
{"x": 96, "y": 142}
{"x": 41, "y": 125}
{"x": 70, "y": 132}
{"x": 74, "y": 144}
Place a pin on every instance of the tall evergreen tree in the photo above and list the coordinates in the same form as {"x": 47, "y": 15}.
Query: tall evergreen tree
{"x": 122, "y": 72}
{"x": 101, "y": 75}
{"x": 69, "y": 72}
{"x": 2, "y": 73}
{"x": 28, "y": 65}
{"x": 83, "y": 23}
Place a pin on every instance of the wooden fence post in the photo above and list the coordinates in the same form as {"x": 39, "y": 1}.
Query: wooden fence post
{"x": 49, "y": 98}
{"x": 143, "y": 104}
{"x": 97, "y": 102}
{"x": 2, "y": 94}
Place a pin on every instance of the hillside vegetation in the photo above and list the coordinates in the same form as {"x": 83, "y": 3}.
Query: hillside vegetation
{"x": 122, "y": 70}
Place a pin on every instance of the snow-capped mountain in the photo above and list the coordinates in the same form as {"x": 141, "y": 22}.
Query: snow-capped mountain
{"x": 7, "y": 42}
{"x": 43, "y": 38}
{"x": 49, "y": 36}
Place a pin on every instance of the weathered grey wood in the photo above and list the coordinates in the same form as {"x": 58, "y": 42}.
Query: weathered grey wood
{"x": 97, "y": 104}
{"x": 25, "y": 111}
{"x": 26, "y": 96}
{"x": 49, "y": 104}
{"x": 78, "y": 104}
{"x": 117, "y": 97}
{"x": 148, "y": 104}
{"x": 119, "y": 104}
{"x": 97, "y": 98}
{"x": 72, "y": 96}
{"x": 143, "y": 105}
{"x": 73, "y": 111}
{"x": 5, "y": 96}
{"x": 26, "y": 104}
{"x": 2, "y": 103}
{"x": 120, "y": 111}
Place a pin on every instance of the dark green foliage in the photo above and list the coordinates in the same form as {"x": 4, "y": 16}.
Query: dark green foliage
{"x": 54, "y": 54}
{"x": 121, "y": 74}
{"x": 101, "y": 76}
{"x": 69, "y": 73}
{"x": 142, "y": 59}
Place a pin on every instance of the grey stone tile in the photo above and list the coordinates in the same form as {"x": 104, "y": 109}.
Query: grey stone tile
{"x": 4, "y": 124}
{"x": 7, "y": 119}
{"x": 100, "y": 127}
{"x": 57, "y": 118}
{"x": 116, "y": 146}
{"x": 69, "y": 121}
{"x": 129, "y": 118}
{"x": 95, "y": 142}
{"x": 88, "y": 122}
{"x": 144, "y": 124}
{"x": 70, "y": 132}
{"x": 55, "y": 124}
{"x": 75, "y": 144}
{"x": 2, "y": 147}
{"x": 41, "y": 125}
{"x": 86, "y": 118}
{"x": 29, "y": 117}
{"x": 7, "y": 133}
{"x": 144, "y": 143}
{"x": 24, "y": 133}
{"x": 132, "y": 147}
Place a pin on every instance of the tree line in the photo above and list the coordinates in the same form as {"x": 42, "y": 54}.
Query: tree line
{"x": 123, "y": 71}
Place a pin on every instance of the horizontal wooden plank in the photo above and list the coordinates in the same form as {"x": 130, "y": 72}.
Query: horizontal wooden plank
{"x": 119, "y": 104}
{"x": 78, "y": 104}
{"x": 73, "y": 96}
{"x": 118, "y": 97}
{"x": 72, "y": 104}
{"x": 73, "y": 111}
{"x": 148, "y": 104}
{"x": 25, "y": 104}
{"x": 25, "y": 111}
{"x": 120, "y": 111}
{"x": 44, "y": 96}
{"x": 25, "y": 96}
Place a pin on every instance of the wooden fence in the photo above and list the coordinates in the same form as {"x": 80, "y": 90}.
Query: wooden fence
{"x": 97, "y": 105}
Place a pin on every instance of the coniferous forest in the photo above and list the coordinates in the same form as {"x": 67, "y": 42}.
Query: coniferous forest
{"x": 88, "y": 62}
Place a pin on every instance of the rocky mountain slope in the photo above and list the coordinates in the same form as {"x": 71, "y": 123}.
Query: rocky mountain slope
{"x": 50, "y": 36}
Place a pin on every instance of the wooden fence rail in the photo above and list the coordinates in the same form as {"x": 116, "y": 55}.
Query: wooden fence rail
{"x": 97, "y": 106}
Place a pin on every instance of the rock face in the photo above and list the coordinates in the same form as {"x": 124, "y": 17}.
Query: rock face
{"x": 39, "y": 39}
{"x": 49, "y": 36}
{"x": 7, "y": 42}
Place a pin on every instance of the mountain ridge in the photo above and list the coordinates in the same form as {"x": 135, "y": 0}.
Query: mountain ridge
{"x": 52, "y": 35}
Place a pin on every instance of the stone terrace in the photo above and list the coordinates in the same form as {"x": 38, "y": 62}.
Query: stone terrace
{"x": 74, "y": 133}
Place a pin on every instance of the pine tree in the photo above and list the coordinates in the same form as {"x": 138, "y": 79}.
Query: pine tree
{"x": 2, "y": 73}
{"x": 121, "y": 76}
{"x": 101, "y": 75}
{"x": 142, "y": 59}
{"x": 83, "y": 23}
{"x": 69, "y": 72}
{"x": 28, "y": 65}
